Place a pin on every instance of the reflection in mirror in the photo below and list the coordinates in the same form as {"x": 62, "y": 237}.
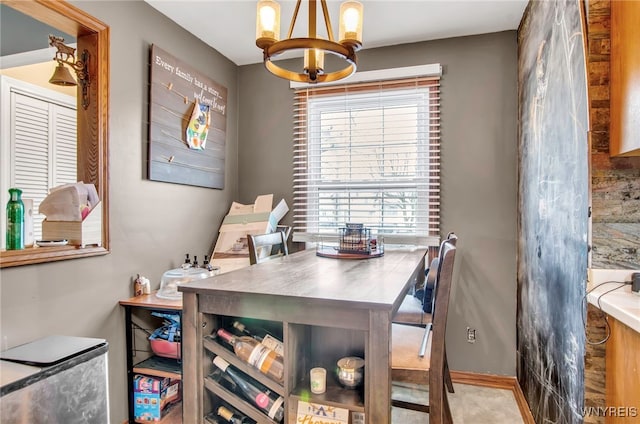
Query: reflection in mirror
{"x": 71, "y": 144}
{"x": 38, "y": 145}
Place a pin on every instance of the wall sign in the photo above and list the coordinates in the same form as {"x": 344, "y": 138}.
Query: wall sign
{"x": 187, "y": 124}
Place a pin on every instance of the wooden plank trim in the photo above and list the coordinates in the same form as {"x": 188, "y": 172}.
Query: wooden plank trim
{"x": 497, "y": 382}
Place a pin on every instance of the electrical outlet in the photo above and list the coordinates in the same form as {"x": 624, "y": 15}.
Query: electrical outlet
{"x": 471, "y": 335}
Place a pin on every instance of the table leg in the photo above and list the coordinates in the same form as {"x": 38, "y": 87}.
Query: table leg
{"x": 378, "y": 369}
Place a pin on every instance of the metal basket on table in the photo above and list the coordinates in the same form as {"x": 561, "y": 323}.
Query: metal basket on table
{"x": 354, "y": 238}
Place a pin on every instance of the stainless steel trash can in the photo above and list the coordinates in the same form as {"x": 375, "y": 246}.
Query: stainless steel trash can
{"x": 56, "y": 379}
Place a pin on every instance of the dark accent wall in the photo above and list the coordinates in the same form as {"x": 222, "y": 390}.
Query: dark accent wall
{"x": 552, "y": 210}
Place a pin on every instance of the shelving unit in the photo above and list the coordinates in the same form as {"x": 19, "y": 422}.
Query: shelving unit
{"x": 313, "y": 346}
{"x": 142, "y": 360}
{"x": 325, "y": 308}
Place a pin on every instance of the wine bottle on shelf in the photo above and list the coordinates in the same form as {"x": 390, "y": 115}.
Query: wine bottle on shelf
{"x": 243, "y": 329}
{"x": 233, "y": 417}
{"x": 268, "y": 340}
{"x": 256, "y": 354}
{"x": 269, "y": 403}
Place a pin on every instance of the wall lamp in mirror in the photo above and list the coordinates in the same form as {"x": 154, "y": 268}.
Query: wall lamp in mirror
{"x": 65, "y": 55}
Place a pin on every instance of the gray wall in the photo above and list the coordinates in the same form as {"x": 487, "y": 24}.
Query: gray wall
{"x": 153, "y": 224}
{"x": 479, "y": 176}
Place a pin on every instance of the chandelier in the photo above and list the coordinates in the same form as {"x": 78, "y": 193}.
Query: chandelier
{"x": 350, "y": 40}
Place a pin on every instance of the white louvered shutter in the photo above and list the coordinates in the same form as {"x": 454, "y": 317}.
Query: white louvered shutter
{"x": 43, "y": 149}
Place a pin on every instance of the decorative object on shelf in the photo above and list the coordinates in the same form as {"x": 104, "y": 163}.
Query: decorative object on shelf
{"x": 15, "y": 220}
{"x": 255, "y": 354}
{"x": 318, "y": 378}
{"x": 314, "y": 412}
{"x": 350, "y": 40}
{"x": 66, "y": 55}
{"x": 350, "y": 371}
{"x": 141, "y": 286}
{"x": 269, "y": 403}
{"x": 165, "y": 340}
{"x": 172, "y": 278}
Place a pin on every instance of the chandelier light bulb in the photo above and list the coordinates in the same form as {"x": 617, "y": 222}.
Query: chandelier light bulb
{"x": 267, "y": 23}
{"x": 351, "y": 23}
{"x": 351, "y": 18}
{"x": 268, "y": 18}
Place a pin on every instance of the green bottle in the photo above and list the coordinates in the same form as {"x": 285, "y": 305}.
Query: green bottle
{"x": 15, "y": 220}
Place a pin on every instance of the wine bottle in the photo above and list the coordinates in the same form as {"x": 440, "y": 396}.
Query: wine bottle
{"x": 232, "y": 416}
{"x": 256, "y": 354}
{"x": 268, "y": 340}
{"x": 270, "y": 404}
{"x": 243, "y": 329}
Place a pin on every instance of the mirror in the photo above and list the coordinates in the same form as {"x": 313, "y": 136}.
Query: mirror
{"x": 92, "y": 122}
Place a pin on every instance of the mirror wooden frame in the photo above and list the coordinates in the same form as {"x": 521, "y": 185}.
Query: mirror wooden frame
{"x": 93, "y": 122}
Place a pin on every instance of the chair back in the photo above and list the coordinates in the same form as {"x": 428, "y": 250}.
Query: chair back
{"x": 263, "y": 247}
{"x": 438, "y": 366}
{"x": 451, "y": 239}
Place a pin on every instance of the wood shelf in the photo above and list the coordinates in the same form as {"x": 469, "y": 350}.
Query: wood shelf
{"x": 240, "y": 404}
{"x": 335, "y": 395}
{"x": 159, "y": 367}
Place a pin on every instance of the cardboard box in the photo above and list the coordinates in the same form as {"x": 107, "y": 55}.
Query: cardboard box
{"x": 232, "y": 250}
{"x": 153, "y": 395}
{"x": 79, "y": 233}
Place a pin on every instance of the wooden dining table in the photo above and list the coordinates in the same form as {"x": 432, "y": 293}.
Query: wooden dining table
{"x": 304, "y": 290}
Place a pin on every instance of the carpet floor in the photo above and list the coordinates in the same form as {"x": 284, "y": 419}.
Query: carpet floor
{"x": 469, "y": 405}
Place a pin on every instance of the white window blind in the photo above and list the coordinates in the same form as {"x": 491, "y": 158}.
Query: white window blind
{"x": 41, "y": 149}
{"x": 368, "y": 153}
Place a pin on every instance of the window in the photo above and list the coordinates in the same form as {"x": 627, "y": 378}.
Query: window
{"x": 39, "y": 148}
{"x": 368, "y": 153}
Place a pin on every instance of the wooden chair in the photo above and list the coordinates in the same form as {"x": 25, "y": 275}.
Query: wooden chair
{"x": 432, "y": 368}
{"x": 412, "y": 308}
{"x": 263, "y": 247}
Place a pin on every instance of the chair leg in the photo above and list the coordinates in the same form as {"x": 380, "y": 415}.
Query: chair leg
{"x": 446, "y": 410}
{"x": 447, "y": 375}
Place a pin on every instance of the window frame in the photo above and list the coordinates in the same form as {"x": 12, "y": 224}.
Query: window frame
{"x": 306, "y": 114}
